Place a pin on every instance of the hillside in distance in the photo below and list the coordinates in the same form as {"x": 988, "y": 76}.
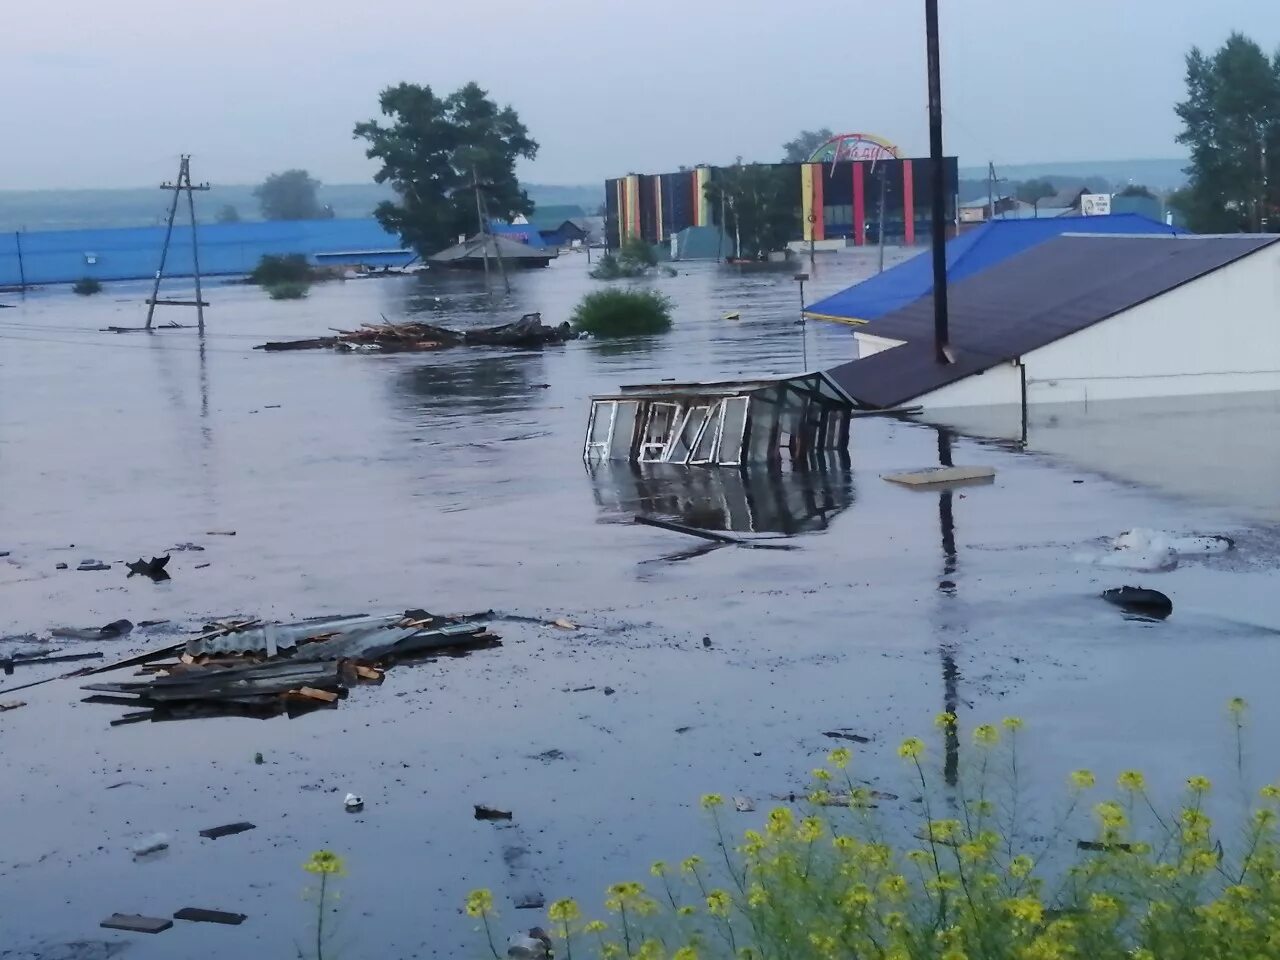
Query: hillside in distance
{"x": 146, "y": 206}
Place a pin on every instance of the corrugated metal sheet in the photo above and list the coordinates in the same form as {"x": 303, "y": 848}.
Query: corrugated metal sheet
{"x": 283, "y": 636}
{"x": 1051, "y": 291}
{"x": 967, "y": 255}
{"x": 64, "y": 256}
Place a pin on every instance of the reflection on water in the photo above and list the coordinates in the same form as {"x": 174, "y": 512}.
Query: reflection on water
{"x": 762, "y": 498}
{"x": 1215, "y": 449}
{"x": 467, "y": 384}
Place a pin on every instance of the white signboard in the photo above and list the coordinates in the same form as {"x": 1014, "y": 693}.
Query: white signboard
{"x": 1095, "y": 204}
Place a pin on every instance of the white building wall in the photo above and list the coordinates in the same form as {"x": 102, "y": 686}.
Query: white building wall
{"x": 868, "y": 344}
{"x": 1219, "y": 334}
{"x": 1216, "y": 335}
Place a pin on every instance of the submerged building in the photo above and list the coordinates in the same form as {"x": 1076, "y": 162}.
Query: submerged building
{"x": 833, "y": 202}
{"x": 1084, "y": 317}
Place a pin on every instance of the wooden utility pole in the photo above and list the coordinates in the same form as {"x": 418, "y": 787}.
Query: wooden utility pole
{"x": 183, "y": 183}
{"x": 22, "y": 270}
{"x": 938, "y": 185}
{"x": 884, "y": 174}
{"x": 497, "y": 253}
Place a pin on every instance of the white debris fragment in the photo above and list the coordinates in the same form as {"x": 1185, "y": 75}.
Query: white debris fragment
{"x": 353, "y": 803}
{"x": 152, "y": 844}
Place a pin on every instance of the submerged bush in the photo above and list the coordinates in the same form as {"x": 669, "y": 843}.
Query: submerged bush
{"x": 287, "y": 290}
{"x": 87, "y": 286}
{"x": 622, "y": 313}
{"x": 290, "y": 268}
{"x": 639, "y": 251}
{"x": 635, "y": 259}
{"x": 966, "y": 880}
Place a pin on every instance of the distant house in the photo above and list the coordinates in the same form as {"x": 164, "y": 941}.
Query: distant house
{"x": 559, "y": 224}
{"x": 473, "y": 253}
{"x": 1085, "y": 317}
{"x": 976, "y": 211}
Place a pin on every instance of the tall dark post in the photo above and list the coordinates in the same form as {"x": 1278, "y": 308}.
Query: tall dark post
{"x": 938, "y": 186}
{"x": 22, "y": 269}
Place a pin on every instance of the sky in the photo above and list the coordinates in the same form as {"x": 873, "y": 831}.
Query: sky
{"x": 108, "y": 94}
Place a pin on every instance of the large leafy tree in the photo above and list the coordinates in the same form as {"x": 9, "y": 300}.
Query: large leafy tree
{"x": 759, "y": 209}
{"x": 1231, "y": 122}
{"x": 1033, "y": 191}
{"x": 801, "y": 148}
{"x": 290, "y": 195}
{"x": 437, "y": 153}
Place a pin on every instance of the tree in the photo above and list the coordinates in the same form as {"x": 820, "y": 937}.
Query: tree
{"x": 1137, "y": 190}
{"x": 801, "y": 148}
{"x": 1231, "y": 122}
{"x": 759, "y": 210}
{"x": 439, "y": 154}
{"x": 290, "y": 195}
{"x": 228, "y": 214}
{"x": 1033, "y": 191}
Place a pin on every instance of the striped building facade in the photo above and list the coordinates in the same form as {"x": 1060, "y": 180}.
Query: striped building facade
{"x": 833, "y": 201}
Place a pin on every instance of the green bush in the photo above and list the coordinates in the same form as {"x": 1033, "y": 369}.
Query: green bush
{"x": 290, "y": 268}
{"x": 967, "y": 879}
{"x": 638, "y": 251}
{"x": 616, "y": 268}
{"x": 288, "y": 290}
{"x": 87, "y": 286}
{"x": 622, "y": 313}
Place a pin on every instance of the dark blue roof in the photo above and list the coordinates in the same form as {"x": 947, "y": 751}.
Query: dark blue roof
{"x": 132, "y": 253}
{"x": 968, "y": 254}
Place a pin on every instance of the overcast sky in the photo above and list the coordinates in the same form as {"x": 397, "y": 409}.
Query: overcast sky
{"x": 107, "y": 94}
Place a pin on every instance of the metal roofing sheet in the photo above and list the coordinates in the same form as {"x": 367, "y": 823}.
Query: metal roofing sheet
{"x": 282, "y": 636}
{"x": 967, "y": 255}
{"x": 1054, "y": 289}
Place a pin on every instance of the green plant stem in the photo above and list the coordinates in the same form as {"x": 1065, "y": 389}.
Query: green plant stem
{"x": 324, "y": 883}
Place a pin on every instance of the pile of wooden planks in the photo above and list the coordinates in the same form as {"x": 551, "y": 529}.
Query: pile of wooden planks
{"x": 387, "y": 337}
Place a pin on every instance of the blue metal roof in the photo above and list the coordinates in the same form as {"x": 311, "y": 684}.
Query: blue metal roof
{"x": 526, "y": 233}
{"x": 132, "y": 253}
{"x": 968, "y": 254}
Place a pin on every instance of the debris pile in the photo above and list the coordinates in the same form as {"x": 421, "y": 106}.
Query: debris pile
{"x": 249, "y": 668}
{"x": 528, "y": 331}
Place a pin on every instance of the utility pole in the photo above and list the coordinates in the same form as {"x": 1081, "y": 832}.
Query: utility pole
{"x": 884, "y": 175}
{"x": 22, "y": 270}
{"x": 938, "y": 185}
{"x": 183, "y": 183}
{"x": 497, "y": 253}
{"x": 484, "y": 234}
{"x": 1263, "y": 220}
{"x": 804, "y": 333}
{"x": 991, "y": 191}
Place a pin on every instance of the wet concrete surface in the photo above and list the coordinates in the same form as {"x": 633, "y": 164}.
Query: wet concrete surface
{"x": 454, "y": 481}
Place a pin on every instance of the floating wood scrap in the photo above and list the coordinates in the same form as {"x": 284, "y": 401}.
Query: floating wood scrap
{"x": 249, "y": 668}
{"x": 935, "y": 477}
{"x": 528, "y": 331}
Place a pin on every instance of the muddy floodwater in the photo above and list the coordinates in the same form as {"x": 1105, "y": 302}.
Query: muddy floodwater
{"x": 454, "y": 482}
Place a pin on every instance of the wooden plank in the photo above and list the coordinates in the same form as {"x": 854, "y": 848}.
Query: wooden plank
{"x": 12, "y": 705}
{"x": 368, "y": 673}
{"x": 135, "y": 923}
{"x": 201, "y": 915}
{"x": 312, "y": 693}
{"x": 931, "y": 476}
{"x": 227, "y": 830}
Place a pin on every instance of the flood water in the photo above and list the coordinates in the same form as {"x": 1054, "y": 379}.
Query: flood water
{"x": 454, "y": 481}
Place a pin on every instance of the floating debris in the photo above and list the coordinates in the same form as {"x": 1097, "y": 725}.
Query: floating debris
{"x": 227, "y": 830}
{"x": 248, "y": 668}
{"x": 152, "y": 844}
{"x": 201, "y": 915}
{"x": 846, "y": 735}
{"x": 933, "y": 477}
{"x": 1140, "y": 600}
{"x": 528, "y": 331}
{"x": 153, "y": 568}
{"x": 93, "y": 565}
{"x": 353, "y": 803}
{"x": 134, "y": 923}
{"x": 491, "y": 813}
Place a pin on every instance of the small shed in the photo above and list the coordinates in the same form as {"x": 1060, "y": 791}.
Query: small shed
{"x": 720, "y": 423}
{"x": 472, "y": 253}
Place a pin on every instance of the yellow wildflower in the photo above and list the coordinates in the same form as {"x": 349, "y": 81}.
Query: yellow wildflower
{"x": 810, "y": 830}
{"x": 821, "y": 774}
{"x": 1264, "y": 818}
{"x": 712, "y": 800}
{"x": 1012, "y": 724}
{"x": 945, "y": 721}
{"x": 564, "y": 911}
{"x": 757, "y": 896}
{"x": 691, "y": 864}
{"x": 650, "y": 950}
{"x": 719, "y": 903}
{"x": 479, "y": 903}
{"x": 844, "y": 844}
{"x": 1111, "y": 814}
{"x": 685, "y": 953}
{"x": 325, "y": 861}
{"x": 1236, "y": 707}
{"x": 954, "y": 953}
{"x": 1198, "y": 784}
{"x": 646, "y": 906}
{"x": 1021, "y": 866}
{"x": 919, "y": 856}
{"x": 911, "y": 748}
{"x": 1201, "y": 861}
{"x": 1028, "y": 910}
{"x": 610, "y": 951}
{"x": 986, "y": 735}
{"x": 753, "y": 842}
{"x": 1270, "y": 792}
{"x": 1104, "y": 904}
{"x": 1131, "y": 780}
{"x": 825, "y": 944}
{"x": 658, "y": 869}
{"x": 839, "y": 757}
{"x": 895, "y": 887}
{"x": 686, "y": 911}
{"x": 943, "y": 830}
{"x": 1082, "y": 779}
{"x": 860, "y": 798}
{"x": 894, "y": 920}
{"x": 983, "y": 808}
{"x": 780, "y": 821}
{"x": 595, "y": 926}
{"x": 859, "y": 897}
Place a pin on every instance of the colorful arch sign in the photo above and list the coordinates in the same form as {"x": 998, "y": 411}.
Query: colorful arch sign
{"x": 854, "y": 146}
